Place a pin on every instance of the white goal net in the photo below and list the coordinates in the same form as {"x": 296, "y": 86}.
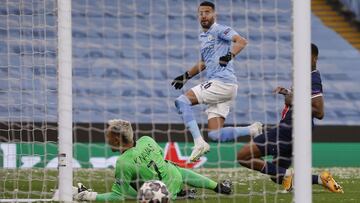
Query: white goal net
{"x": 125, "y": 55}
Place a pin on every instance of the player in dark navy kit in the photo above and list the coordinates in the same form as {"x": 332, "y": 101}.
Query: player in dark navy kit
{"x": 278, "y": 140}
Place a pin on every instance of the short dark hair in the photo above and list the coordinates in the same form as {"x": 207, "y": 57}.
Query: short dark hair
{"x": 208, "y": 3}
{"x": 314, "y": 50}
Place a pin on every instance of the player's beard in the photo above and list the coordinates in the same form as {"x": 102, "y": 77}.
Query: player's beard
{"x": 207, "y": 23}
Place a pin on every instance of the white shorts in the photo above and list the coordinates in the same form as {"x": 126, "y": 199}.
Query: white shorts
{"x": 217, "y": 95}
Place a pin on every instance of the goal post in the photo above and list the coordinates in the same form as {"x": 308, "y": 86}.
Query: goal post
{"x": 302, "y": 101}
{"x": 126, "y": 53}
{"x": 65, "y": 121}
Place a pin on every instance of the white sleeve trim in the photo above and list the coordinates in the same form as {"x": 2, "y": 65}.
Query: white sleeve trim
{"x": 316, "y": 95}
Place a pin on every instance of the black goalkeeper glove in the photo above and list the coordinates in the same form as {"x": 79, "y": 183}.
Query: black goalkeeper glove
{"x": 224, "y": 60}
{"x": 179, "y": 81}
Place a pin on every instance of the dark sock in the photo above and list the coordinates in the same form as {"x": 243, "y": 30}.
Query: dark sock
{"x": 315, "y": 179}
{"x": 273, "y": 170}
{"x": 278, "y": 180}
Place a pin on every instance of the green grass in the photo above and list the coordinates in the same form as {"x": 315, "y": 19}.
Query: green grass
{"x": 249, "y": 186}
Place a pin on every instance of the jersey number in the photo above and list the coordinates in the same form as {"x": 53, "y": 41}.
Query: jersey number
{"x": 152, "y": 163}
{"x": 207, "y": 85}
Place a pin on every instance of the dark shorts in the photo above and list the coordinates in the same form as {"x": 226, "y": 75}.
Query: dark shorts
{"x": 276, "y": 142}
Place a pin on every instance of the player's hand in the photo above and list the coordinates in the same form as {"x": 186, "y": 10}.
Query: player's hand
{"x": 289, "y": 99}
{"x": 83, "y": 194}
{"x": 179, "y": 81}
{"x": 224, "y": 60}
{"x": 282, "y": 90}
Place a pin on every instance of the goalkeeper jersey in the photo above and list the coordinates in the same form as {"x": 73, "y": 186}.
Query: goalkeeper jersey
{"x": 145, "y": 161}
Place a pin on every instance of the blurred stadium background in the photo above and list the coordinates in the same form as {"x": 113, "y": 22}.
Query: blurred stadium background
{"x": 125, "y": 55}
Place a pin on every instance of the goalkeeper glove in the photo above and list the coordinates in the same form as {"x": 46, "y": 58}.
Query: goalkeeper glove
{"x": 83, "y": 194}
{"x": 179, "y": 81}
{"x": 224, "y": 60}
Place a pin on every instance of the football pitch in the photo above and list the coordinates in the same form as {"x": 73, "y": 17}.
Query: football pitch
{"x": 249, "y": 186}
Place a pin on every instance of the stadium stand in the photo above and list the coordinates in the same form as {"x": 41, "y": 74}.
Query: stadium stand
{"x": 353, "y": 6}
{"x": 123, "y": 63}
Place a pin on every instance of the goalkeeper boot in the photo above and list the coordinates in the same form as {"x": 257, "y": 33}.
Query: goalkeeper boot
{"x": 256, "y": 129}
{"x": 199, "y": 150}
{"x": 187, "y": 194}
{"x": 225, "y": 187}
{"x": 81, "y": 187}
{"x": 287, "y": 182}
{"x": 329, "y": 182}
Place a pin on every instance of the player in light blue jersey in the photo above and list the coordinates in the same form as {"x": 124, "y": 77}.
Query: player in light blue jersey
{"x": 219, "y": 45}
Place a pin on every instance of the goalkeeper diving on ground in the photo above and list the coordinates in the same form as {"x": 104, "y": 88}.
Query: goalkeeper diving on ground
{"x": 143, "y": 160}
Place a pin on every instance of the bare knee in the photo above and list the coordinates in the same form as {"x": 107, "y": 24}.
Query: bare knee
{"x": 244, "y": 155}
{"x": 247, "y": 153}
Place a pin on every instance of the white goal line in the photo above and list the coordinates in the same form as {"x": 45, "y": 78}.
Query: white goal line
{"x": 26, "y": 200}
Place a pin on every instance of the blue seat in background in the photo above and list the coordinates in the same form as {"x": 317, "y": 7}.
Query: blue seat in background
{"x": 126, "y": 53}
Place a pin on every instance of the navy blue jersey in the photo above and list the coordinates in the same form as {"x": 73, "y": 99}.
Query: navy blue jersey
{"x": 316, "y": 91}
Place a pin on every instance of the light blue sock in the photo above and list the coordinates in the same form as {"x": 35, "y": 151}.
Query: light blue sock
{"x": 228, "y": 133}
{"x": 183, "y": 106}
{"x": 193, "y": 128}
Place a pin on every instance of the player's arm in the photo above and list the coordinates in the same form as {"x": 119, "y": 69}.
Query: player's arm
{"x": 288, "y": 94}
{"x": 179, "y": 81}
{"x": 196, "y": 69}
{"x": 121, "y": 188}
{"x": 317, "y": 101}
{"x": 114, "y": 195}
{"x": 238, "y": 43}
{"x": 317, "y": 106}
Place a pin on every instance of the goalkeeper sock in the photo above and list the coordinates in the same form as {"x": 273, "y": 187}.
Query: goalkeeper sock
{"x": 183, "y": 106}
{"x": 228, "y": 133}
{"x": 196, "y": 180}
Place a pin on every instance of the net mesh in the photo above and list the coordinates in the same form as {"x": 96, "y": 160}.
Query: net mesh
{"x": 125, "y": 55}
{"x": 28, "y": 97}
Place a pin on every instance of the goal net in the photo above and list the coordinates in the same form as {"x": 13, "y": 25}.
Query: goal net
{"x": 125, "y": 55}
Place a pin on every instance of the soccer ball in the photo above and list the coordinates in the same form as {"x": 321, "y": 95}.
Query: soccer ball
{"x": 153, "y": 191}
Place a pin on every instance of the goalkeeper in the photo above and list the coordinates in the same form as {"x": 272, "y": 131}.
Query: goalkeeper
{"x": 141, "y": 161}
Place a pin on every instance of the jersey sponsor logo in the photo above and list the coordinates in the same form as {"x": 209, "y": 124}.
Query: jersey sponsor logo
{"x": 211, "y": 38}
{"x": 173, "y": 154}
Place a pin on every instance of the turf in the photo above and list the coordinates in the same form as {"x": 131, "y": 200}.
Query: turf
{"x": 249, "y": 186}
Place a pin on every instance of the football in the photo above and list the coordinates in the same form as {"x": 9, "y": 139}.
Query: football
{"x": 153, "y": 191}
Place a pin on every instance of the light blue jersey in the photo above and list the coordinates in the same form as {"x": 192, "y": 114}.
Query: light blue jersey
{"x": 215, "y": 43}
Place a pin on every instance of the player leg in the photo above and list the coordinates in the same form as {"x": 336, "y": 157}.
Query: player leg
{"x": 265, "y": 144}
{"x": 325, "y": 178}
{"x": 223, "y": 134}
{"x": 194, "y": 179}
{"x": 216, "y": 118}
{"x": 220, "y": 99}
{"x": 183, "y": 104}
